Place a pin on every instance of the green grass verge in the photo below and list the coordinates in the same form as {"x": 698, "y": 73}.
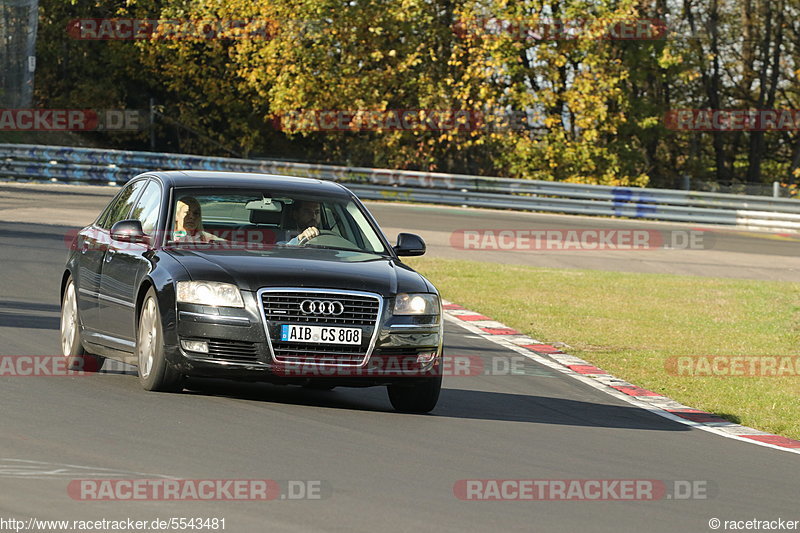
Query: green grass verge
{"x": 630, "y": 324}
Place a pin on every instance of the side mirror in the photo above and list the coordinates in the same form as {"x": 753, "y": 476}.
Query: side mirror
{"x": 409, "y": 244}
{"x": 128, "y": 231}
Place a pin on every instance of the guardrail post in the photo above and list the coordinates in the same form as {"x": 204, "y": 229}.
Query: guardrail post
{"x": 776, "y": 189}
{"x": 687, "y": 182}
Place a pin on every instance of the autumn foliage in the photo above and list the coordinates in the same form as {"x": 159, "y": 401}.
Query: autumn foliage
{"x": 587, "y": 84}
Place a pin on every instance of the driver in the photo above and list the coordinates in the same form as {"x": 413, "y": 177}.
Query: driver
{"x": 305, "y": 217}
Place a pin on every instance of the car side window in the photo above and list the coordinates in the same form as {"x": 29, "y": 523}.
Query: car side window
{"x": 122, "y": 205}
{"x": 101, "y": 220}
{"x": 336, "y": 215}
{"x": 147, "y": 207}
{"x": 356, "y": 220}
{"x": 328, "y": 220}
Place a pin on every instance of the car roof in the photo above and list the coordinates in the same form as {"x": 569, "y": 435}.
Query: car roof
{"x": 207, "y": 178}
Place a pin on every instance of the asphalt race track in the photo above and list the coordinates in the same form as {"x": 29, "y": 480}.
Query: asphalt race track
{"x": 381, "y": 470}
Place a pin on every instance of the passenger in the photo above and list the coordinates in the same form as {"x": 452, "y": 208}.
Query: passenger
{"x": 189, "y": 222}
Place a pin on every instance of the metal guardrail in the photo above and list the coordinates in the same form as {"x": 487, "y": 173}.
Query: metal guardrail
{"x": 89, "y": 165}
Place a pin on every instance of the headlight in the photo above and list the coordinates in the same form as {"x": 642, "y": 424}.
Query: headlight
{"x": 209, "y": 293}
{"x": 416, "y": 304}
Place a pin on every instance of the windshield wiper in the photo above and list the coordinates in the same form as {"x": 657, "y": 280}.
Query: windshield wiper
{"x": 340, "y": 248}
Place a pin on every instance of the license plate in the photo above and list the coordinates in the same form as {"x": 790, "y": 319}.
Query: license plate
{"x": 320, "y": 334}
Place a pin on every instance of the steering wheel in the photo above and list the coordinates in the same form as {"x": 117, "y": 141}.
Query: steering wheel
{"x": 330, "y": 238}
{"x": 320, "y": 233}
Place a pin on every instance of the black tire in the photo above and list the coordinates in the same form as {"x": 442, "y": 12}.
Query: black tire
{"x": 420, "y": 397}
{"x": 71, "y": 344}
{"x": 155, "y": 374}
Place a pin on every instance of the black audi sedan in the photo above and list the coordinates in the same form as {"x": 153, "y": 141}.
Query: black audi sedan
{"x": 251, "y": 277}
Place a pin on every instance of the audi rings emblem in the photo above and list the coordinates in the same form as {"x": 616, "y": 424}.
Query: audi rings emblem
{"x": 321, "y": 307}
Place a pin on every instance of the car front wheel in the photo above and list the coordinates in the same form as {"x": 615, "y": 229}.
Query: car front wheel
{"x": 420, "y": 397}
{"x": 71, "y": 346}
{"x": 154, "y": 372}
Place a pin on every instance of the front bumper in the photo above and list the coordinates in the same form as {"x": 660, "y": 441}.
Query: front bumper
{"x": 401, "y": 349}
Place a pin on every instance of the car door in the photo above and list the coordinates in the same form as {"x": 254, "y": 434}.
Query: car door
{"x": 125, "y": 264}
{"x": 92, "y": 245}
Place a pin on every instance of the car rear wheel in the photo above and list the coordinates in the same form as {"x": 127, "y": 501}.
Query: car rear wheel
{"x": 154, "y": 372}
{"x": 71, "y": 345}
{"x": 420, "y": 397}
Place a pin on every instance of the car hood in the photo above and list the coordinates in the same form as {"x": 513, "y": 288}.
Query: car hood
{"x": 309, "y": 267}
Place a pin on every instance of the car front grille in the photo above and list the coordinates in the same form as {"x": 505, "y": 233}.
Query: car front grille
{"x": 284, "y": 307}
{"x": 234, "y": 351}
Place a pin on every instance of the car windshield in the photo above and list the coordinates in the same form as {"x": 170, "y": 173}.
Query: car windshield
{"x": 263, "y": 218}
